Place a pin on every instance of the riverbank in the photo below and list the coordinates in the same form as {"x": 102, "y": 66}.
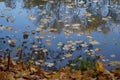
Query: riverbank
{"x": 20, "y": 71}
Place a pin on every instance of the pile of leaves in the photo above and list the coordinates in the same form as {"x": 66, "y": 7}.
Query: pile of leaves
{"x": 20, "y": 71}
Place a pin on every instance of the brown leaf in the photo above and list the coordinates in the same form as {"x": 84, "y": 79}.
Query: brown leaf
{"x": 33, "y": 69}
{"x": 22, "y": 65}
{"x": 20, "y": 79}
{"x": 100, "y": 68}
{"x": 76, "y": 75}
{"x": 6, "y": 76}
{"x": 23, "y": 74}
{"x": 27, "y": 76}
{"x": 13, "y": 62}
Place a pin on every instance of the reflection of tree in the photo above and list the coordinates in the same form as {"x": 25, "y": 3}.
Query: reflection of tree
{"x": 72, "y": 12}
{"x": 1, "y": 0}
{"x": 105, "y": 29}
{"x": 102, "y": 5}
{"x": 32, "y": 3}
{"x": 9, "y": 3}
{"x": 96, "y": 23}
{"x": 58, "y": 26}
{"x": 91, "y": 26}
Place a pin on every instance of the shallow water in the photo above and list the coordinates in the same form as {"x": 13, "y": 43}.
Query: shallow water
{"x": 60, "y": 21}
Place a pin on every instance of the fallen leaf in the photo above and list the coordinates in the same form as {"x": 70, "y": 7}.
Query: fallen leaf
{"x": 99, "y": 66}
{"x": 6, "y": 76}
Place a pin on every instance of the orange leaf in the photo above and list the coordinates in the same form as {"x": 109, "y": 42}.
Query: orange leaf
{"x": 6, "y": 76}
{"x": 99, "y": 66}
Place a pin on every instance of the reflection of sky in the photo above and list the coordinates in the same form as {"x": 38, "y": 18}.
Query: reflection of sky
{"x": 21, "y": 21}
{"x": 109, "y": 37}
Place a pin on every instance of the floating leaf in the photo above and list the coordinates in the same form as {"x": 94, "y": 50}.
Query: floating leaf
{"x": 33, "y": 32}
{"x": 41, "y": 37}
{"x": 88, "y": 14}
{"x": 9, "y": 28}
{"x": 31, "y": 17}
{"x": 60, "y": 44}
{"x": 115, "y": 63}
{"x": 94, "y": 42}
{"x": 89, "y": 37}
{"x": 98, "y": 50}
{"x": 25, "y": 35}
{"x": 11, "y": 41}
{"x": 68, "y": 55}
{"x": 84, "y": 44}
{"x": 113, "y": 55}
{"x": 45, "y": 50}
{"x": 27, "y": 27}
{"x": 37, "y": 63}
{"x": 2, "y": 27}
{"x": 66, "y": 47}
{"x": 49, "y": 64}
{"x": 36, "y": 37}
{"x": 39, "y": 29}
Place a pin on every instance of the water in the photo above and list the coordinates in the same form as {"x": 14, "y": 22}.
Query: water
{"x": 60, "y": 21}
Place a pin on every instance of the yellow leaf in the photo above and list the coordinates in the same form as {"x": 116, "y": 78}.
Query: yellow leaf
{"x": 33, "y": 69}
{"x": 99, "y": 66}
{"x": 31, "y": 62}
{"x": 27, "y": 76}
{"x": 13, "y": 62}
{"x": 55, "y": 76}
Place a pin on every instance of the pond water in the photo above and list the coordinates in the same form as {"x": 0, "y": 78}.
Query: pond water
{"x": 56, "y": 32}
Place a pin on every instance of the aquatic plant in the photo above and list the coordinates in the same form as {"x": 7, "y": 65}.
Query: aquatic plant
{"x": 87, "y": 63}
